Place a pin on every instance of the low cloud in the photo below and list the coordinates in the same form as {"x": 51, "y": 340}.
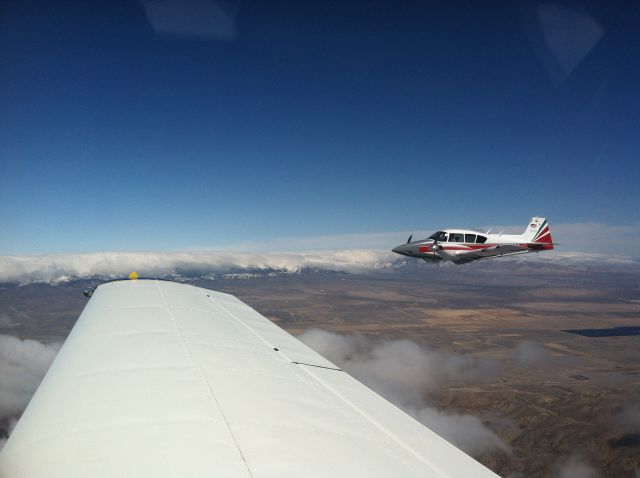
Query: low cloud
{"x": 404, "y": 373}
{"x": 6, "y": 427}
{"x": 23, "y": 363}
{"x": 629, "y": 417}
{"x": 465, "y": 431}
{"x": 527, "y": 354}
{"x": 575, "y": 467}
{"x": 60, "y": 267}
{"x": 581, "y": 258}
{"x": 592, "y": 237}
{"x": 5, "y": 320}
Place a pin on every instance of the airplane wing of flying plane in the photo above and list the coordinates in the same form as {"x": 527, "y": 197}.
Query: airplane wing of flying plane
{"x": 461, "y": 246}
{"x": 169, "y": 380}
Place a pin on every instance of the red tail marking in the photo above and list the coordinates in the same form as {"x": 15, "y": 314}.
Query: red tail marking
{"x": 543, "y": 240}
{"x": 544, "y": 236}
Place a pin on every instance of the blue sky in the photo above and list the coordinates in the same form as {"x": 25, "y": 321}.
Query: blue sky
{"x": 171, "y": 125}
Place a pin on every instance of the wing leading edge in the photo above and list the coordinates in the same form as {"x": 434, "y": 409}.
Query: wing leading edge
{"x": 164, "y": 379}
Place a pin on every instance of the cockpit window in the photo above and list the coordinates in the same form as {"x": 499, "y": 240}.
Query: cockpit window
{"x": 439, "y": 236}
{"x": 480, "y": 239}
{"x": 456, "y": 237}
{"x": 469, "y": 238}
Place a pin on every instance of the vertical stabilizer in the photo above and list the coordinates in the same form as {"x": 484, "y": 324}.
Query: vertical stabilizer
{"x": 538, "y": 232}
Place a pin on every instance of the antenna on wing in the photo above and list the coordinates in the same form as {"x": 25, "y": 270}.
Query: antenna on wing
{"x": 409, "y": 240}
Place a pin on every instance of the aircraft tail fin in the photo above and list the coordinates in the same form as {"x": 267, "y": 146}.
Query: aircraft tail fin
{"x": 539, "y": 233}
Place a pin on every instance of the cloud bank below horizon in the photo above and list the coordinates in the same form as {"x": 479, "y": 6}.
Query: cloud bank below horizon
{"x": 23, "y": 363}
{"x": 405, "y": 373}
{"x": 61, "y": 267}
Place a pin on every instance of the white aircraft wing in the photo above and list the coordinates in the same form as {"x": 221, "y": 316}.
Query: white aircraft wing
{"x": 159, "y": 379}
{"x": 462, "y": 257}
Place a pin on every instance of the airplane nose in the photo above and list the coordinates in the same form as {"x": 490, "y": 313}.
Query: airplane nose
{"x": 401, "y": 249}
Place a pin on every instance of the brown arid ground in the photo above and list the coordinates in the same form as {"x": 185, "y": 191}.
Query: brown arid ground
{"x": 567, "y": 399}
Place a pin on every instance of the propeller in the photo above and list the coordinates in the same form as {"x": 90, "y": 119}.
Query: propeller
{"x": 410, "y": 237}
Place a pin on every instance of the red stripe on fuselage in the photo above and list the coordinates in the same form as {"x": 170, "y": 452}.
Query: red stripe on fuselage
{"x": 461, "y": 247}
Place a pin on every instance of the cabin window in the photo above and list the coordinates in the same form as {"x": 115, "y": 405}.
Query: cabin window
{"x": 480, "y": 239}
{"x": 469, "y": 238}
{"x": 439, "y": 236}
{"x": 456, "y": 237}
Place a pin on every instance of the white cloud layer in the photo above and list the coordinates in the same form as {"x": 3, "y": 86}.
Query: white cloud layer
{"x": 403, "y": 372}
{"x": 56, "y": 267}
{"x": 528, "y": 354}
{"x": 8, "y": 428}
{"x": 23, "y": 363}
{"x": 630, "y": 417}
{"x": 575, "y": 467}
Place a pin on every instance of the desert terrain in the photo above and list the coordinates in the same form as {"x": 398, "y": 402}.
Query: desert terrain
{"x": 550, "y": 393}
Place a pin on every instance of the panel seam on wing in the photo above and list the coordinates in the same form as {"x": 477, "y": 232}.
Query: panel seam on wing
{"x": 318, "y": 366}
{"x": 323, "y": 390}
{"x": 88, "y": 336}
{"x": 118, "y": 426}
{"x": 383, "y": 429}
{"x": 253, "y": 332}
{"x": 204, "y": 377}
{"x": 121, "y": 370}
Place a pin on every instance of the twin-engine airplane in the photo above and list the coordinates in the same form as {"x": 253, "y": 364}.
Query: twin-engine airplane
{"x": 461, "y": 246}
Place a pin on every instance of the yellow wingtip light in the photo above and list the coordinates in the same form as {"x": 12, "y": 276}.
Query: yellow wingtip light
{"x": 133, "y": 275}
